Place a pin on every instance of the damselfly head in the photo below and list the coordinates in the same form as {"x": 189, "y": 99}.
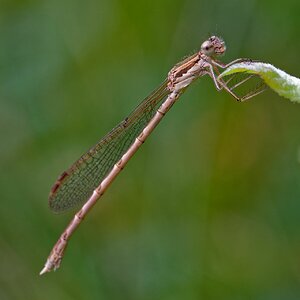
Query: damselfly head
{"x": 213, "y": 46}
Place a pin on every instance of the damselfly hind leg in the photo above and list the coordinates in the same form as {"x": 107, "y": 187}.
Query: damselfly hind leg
{"x": 244, "y": 86}
{"x": 241, "y": 86}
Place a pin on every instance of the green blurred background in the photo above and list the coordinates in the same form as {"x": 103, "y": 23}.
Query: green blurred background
{"x": 208, "y": 209}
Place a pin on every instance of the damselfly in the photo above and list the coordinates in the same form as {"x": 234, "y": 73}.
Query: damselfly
{"x": 90, "y": 176}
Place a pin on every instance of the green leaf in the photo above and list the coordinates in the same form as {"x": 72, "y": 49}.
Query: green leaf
{"x": 282, "y": 83}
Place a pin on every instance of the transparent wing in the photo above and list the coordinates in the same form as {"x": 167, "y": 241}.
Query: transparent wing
{"x": 77, "y": 183}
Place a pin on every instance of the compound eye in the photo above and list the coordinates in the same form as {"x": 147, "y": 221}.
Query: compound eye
{"x": 207, "y": 48}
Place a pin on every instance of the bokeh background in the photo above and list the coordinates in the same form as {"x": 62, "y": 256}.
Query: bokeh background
{"x": 207, "y": 209}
